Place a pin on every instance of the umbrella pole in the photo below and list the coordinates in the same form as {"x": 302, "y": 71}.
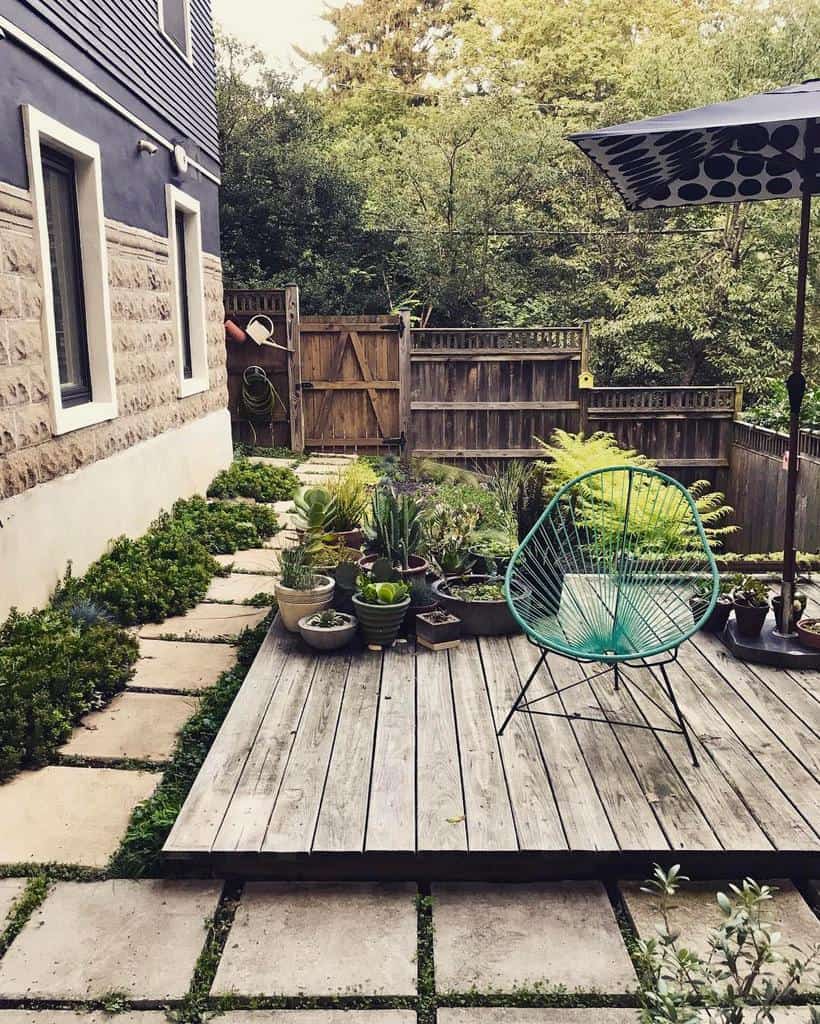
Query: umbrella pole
{"x": 796, "y": 387}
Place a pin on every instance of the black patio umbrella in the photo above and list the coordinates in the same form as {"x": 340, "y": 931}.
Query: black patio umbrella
{"x": 762, "y": 147}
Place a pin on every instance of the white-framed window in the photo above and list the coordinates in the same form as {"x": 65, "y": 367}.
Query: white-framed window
{"x": 65, "y": 182}
{"x": 174, "y": 17}
{"x": 188, "y": 291}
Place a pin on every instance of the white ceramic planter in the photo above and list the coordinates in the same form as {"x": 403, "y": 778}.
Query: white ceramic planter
{"x": 295, "y": 604}
{"x": 329, "y": 638}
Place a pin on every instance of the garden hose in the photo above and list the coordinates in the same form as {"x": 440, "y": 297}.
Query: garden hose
{"x": 259, "y": 397}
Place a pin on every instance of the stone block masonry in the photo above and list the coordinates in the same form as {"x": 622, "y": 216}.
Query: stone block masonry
{"x": 144, "y": 344}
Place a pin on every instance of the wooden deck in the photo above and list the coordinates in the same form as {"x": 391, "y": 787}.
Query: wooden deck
{"x": 367, "y": 765}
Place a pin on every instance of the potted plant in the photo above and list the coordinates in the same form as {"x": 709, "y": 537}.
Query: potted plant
{"x": 750, "y": 600}
{"x": 328, "y": 630}
{"x": 493, "y": 548}
{"x": 808, "y": 631}
{"x": 798, "y": 606}
{"x": 350, "y": 494}
{"x": 380, "y": 608}
{"x": 438, "y": 629}
{"x": 722, "y": 610}
{"x": 479, "y": 601}
{"x": 446, "y": 537}
{"x": 422, "y": 599}
{"x": 394, "y": 533}
{"x": 299, "y": 590}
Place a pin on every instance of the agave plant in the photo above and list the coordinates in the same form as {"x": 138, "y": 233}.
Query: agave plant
{"x": 394, "y": 530}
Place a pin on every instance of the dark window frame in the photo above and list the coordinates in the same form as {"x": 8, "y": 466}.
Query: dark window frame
{"x": 58, "y": 162}
{"x": 183, "y": 291}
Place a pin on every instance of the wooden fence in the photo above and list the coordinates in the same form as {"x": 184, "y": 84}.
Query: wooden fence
{"x": 757, "y": 489}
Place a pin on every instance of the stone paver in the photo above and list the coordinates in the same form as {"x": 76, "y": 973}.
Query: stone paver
{"x": 526, "y": 1015}
{"x": 694, "y": 912}
{"x": 180, "y": 665}
{"x": 263, "y": 460}
{"x": 70, "y": 1017}
{"x": 507, "y": 937}
{"x": 207, "y": 621}
{"x": 239, "y": 587}
{"x": 10, "y": 890}
{"x": 142, "y": 726}
{"x": 329, "y": 940}
{"x": 283, "y": 506}
{"x": 140, "y": 938}
{"x": 315, "y": 1017}
{"x": 70, "y": 815}
{"x": 254, "y": 560}
{"x": 283, "y": 539}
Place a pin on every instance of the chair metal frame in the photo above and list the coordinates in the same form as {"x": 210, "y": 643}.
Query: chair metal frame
{"x": 657, "y": 657}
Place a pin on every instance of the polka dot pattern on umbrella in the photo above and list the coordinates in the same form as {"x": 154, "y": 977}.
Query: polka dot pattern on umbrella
{"x": 711, "y": 165}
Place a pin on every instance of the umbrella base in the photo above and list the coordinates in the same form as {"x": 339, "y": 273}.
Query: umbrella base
{"x": 768, "y": 648}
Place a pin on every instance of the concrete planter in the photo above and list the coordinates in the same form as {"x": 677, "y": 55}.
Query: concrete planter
{"x": 328, "y": 638}
{"x": 380, "y": 622}
{"x": 294, "y": 604}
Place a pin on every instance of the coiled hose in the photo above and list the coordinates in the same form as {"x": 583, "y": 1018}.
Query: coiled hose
{"x": 259, "y": 397}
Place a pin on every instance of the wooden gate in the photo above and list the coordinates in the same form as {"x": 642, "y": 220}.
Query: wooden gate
{"x": 352, "y": 371}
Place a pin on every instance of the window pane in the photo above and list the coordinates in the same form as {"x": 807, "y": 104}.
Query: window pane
{"x": 182, "y": 278}
{"x": 66, "y": 277}
{"x": 174, "y": 16}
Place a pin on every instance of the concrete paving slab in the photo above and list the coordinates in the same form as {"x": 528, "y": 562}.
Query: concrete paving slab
{"x": 239, "y": 587}
{"x": 140, "y": 938}
{"x": 69, "y": 815}
{"x": 527, "y": 1015}
{"x": 10, "y": 890}
{"x": 351, "y": 939}
{"x": 254, "y": 560}
{"x": 281, "y": 507}
{"x": 207, "y": 621}
{"x": 694, "y": 912}
{"x": 499, "y": 938}
{"x": 283, "y": 539}
{"x": 72, "y": 1017}
{"x": 316, "y": 1017}
{"x": 142, "y": 726}
{"x": 181, "y": 665}
{"x": 263, "y": 460}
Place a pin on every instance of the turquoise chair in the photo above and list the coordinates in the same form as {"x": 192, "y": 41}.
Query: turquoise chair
{"x": 617, "y": 571}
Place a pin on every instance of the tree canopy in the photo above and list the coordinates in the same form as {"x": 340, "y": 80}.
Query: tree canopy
{"x": 430, "y": 169}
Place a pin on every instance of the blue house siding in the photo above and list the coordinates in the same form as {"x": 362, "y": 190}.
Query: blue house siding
{"x": 119, "y": 46}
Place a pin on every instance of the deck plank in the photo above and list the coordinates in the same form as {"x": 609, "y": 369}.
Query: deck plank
{"x": 293, "y": 821}
{"x": 785, "y": 828}
{"x": 343, "y": 813}
{"x": 630, "y": 814}
{"x": 246, "y": 819}
{"x": 582, "y": 813}
{"x": 490, "y": 824}
{"x": 204, "y": 809}
{"x": 784, "y": 769}
{"x": 721, "y": 802}
{"x": 391, "y": 817}
{"x": 682, "y": 819}
{"x": 441, "y": 816}
{"x": 537, "y": 821}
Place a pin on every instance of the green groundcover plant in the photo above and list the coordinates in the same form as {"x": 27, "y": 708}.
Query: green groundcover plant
{"x": 246, "y": 479}
{"x": 223, "y": 527}
{"x": 55, "y": 665}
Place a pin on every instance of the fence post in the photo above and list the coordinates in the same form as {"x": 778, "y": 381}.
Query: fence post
{"x": 292, "y": 320}
{"x": 405, "y": 413}
{"x": 738, "y": 400}
{"x": 585, "y": 382}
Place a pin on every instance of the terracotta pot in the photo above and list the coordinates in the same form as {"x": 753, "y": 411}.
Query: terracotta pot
{"x": 328, "y": 638}
{"x": 807, "y": 638}
{"x": 350, "y": 538}
{"x": 418, "y": 566}
{"x": 294, "y": 604}
{"x": 233, "y": 332}
{"x": 380, "y": 622}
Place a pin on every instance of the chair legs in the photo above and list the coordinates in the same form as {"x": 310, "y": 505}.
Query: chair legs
{"x": 521, "y": 704}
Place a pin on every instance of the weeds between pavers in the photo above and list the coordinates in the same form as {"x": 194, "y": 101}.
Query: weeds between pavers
{"x": 24, "y": 906}
{"x": 152, "y": 820}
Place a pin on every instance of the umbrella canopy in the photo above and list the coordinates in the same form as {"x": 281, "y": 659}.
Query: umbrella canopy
{"x": 761, "y": 147}
{"x": 765, "y": 146}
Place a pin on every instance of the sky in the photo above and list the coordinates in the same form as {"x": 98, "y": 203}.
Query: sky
{"x": 275, "y": 26}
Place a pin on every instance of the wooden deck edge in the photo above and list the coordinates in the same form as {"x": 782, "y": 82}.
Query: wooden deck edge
{"x": 492, "y": 867}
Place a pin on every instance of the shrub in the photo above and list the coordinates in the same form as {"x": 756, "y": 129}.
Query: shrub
{"x": 245, "y": 479}
{"x": 461, "y": 498}
{"x": 55, "y": 666}
{"x": 163, "y": 573}
{"x": 222, "y": 526}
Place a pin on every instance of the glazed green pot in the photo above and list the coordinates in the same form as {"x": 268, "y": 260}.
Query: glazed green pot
{"x": 380, "y": 623}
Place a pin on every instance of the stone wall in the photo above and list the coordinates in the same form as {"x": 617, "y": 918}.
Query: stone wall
{"x": 145, "y": 352}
